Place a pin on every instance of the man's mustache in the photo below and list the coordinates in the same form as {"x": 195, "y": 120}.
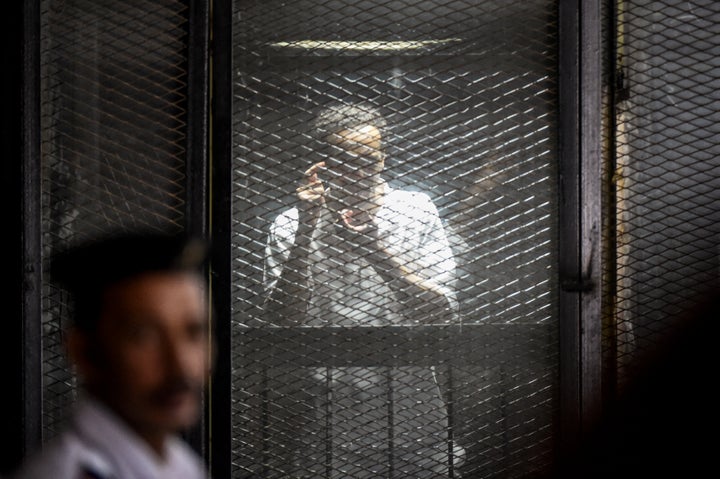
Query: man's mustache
{"x": 176, "y": 387}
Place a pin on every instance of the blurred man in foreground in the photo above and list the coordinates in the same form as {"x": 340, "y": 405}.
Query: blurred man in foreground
{"x": 139, "y": 343}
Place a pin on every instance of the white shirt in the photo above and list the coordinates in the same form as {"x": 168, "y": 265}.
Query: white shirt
{"x": 100, "y": 445}
{"x": 348, "y": 291}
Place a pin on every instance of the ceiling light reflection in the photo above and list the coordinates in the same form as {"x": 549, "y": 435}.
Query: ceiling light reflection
{"x": 370, "y": 45}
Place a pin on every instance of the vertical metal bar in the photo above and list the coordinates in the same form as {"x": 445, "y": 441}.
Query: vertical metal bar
{"x": 31, "y": 221}
{"x": 196, "y": 151}
{"x": 328, "y": 423}
{"x": 569, "y": 221}
{"x": 196, "y": 146}
{"x": 580, "y": 218}
{"x": 20, "y": 350}
{"x": 591, "y": 211}
{"x": 391, "y": 421}
{"x": 220, "y": 227}
{"x": 451, "y": 421}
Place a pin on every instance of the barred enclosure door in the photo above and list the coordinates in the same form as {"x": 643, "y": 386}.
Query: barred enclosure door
{"x": 345, "y": 375}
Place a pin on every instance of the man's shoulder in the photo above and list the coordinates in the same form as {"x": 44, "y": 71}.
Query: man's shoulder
{"x": 408, "y": 195}
{"x": 64, "y": 456}
{"x": 407, "y": 199}
{"x": 183, "y": 461}
{"x": 67, "y": 456}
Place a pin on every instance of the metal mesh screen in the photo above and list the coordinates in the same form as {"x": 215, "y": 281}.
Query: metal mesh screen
{"x": 112, "y": 119}
{"x": 338, "y": 371}
{"x": 666, "y": 171}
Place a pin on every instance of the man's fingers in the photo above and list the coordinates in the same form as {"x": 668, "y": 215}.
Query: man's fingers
{"x": 311, "y": 173}
{"x": 310, "y": 185}
{"x": 359, "y": 223}
{"x": 312, "y": 191}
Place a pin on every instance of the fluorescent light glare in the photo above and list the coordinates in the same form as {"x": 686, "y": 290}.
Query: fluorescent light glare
{"x": 351, "y": 45}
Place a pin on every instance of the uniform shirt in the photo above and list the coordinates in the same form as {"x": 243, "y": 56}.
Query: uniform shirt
{"x": 98, "y": 445}
{"x": 364, "y": 421}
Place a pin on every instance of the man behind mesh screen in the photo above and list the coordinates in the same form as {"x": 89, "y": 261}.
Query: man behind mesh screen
{"x": 355, "y": 252}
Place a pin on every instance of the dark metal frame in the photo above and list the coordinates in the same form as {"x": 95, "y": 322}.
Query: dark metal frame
{"x": 32, "y": 249}
{"x": 221, "y": 163}
{"x": 209, "y": 151}
{"x": 580, "y": 219}
{"x": 21, "y": 147}
{"x": 196, "y": 149}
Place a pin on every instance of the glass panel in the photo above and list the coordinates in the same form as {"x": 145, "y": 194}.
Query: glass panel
{"x": 398, "y": 322}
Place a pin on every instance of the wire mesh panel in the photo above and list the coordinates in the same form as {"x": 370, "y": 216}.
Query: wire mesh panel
{"x": 113, "y": 129}
{"x": 666, "y": 172}
{"x": 394, "y": 289}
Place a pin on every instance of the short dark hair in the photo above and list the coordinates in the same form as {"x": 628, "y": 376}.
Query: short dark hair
{"x": 88, "y": 269}
{"x": 343, "y": 116}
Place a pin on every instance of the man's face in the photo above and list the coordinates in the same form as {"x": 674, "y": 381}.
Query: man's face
{"x": 150, "y": 354}
{"x": 354, "y": 165}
